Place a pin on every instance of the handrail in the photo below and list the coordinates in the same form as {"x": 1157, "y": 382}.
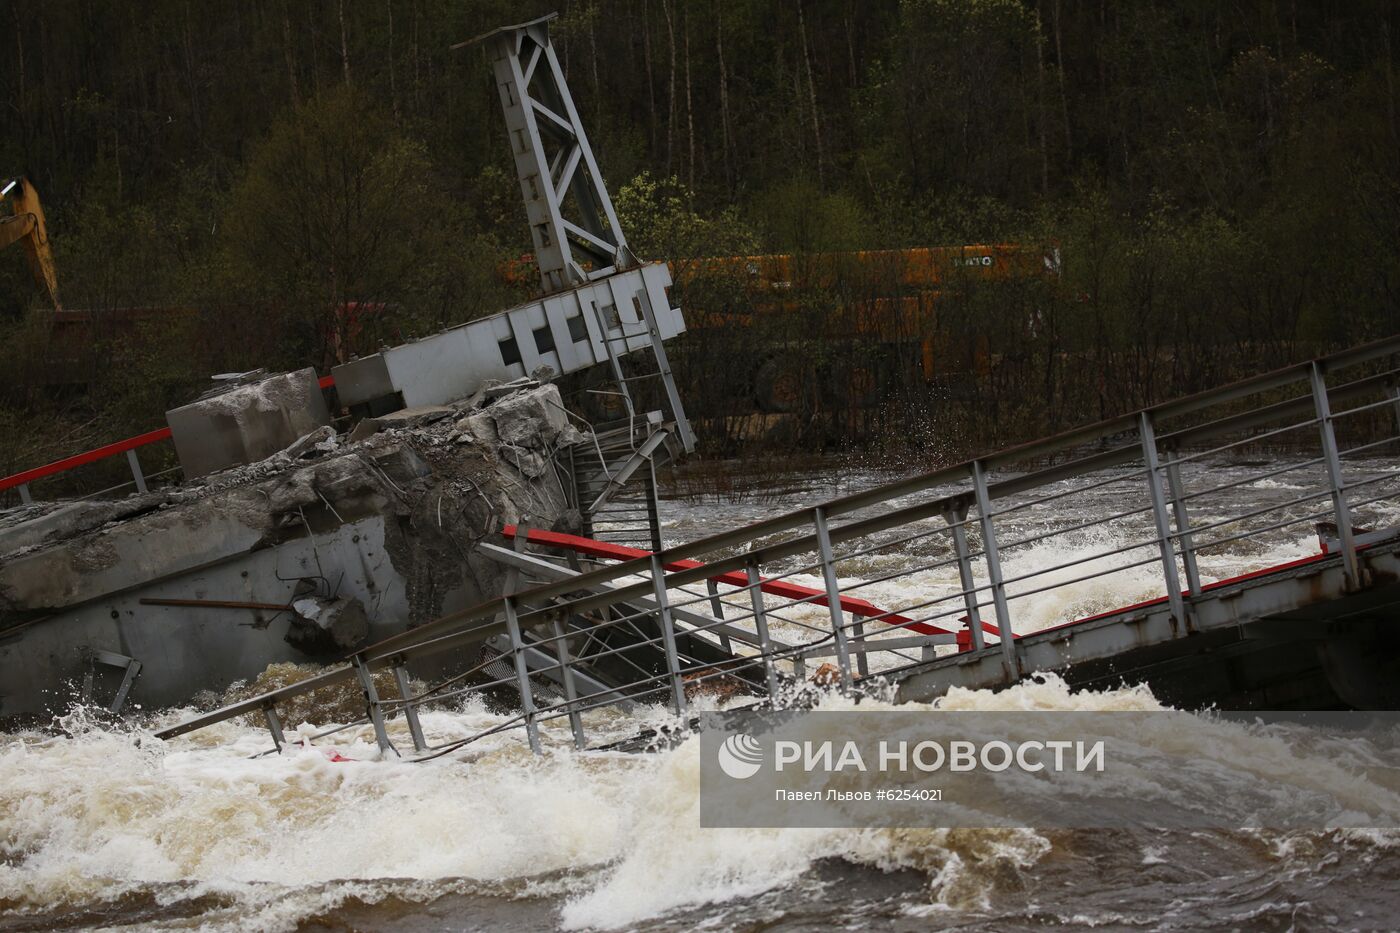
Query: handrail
{"x": 593, "y": 548}
{"x": 744, "y": 538}
{"x": 24, "y": 477}
{"x": 89, "y": 456}
{"x": 586, "y": 608}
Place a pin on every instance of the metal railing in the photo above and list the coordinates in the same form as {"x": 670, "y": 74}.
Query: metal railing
{"x": 21, "y": 482}
{"x": 735, "y": 610}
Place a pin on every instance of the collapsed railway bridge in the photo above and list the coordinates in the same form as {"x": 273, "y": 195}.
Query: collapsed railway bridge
{"x": 587, "y": 623}
{"x": 464, "y": 534}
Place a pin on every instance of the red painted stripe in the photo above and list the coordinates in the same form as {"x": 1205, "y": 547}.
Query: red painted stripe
{"x": 1228, "y": 581}
{"x": 77, "y": 460}
{"x": 783, "y": 588}
{"x": 792, "y": 591}
{"x": 101, "y": 453}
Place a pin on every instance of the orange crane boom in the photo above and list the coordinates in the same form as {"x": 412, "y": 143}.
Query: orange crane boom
{"x": 26, "y": 225}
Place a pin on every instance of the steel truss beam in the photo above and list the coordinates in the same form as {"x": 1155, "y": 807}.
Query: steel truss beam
{"x": 572, "y": 221}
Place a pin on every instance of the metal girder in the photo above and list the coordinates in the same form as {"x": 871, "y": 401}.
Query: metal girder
{"x": 714, "y": 626}
{"x": 1322, "y": 585}
{"x": 630, "y": 465}
{"x": 130, "y": 668}
{"x": 571, "y": 215}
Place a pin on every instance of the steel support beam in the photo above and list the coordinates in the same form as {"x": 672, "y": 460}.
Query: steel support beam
{"x": 522, "y": 674}
{"x": 760, "y": 624}
{"x": 1147, "y": 434}
{"x": 541, "y": 118}
{"x": 372, "y": 706}
{"x": 833, "y": 595}
{"x": 566, "y": 673}
{"x": 1183, "y": 525}
{"x": 663, "y": 366}
{"x": 1010, "y": 663}
{"x": 410, "y": 709}
{"x": 1335, "y": 480}
{"x": 136, "y": 474}
{"x": 957, "y": 522}
{"x": 274, "y": 725}
{"x": 717, "y": 610}
{"x": 668, "y": 634}
{"x": 857, "y": 645}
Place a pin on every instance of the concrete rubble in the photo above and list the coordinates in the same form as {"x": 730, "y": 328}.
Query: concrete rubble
{"x": 358, "y": 536}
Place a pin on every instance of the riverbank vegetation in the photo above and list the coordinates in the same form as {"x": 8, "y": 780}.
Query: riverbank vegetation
{"x": 1216, "y": 187}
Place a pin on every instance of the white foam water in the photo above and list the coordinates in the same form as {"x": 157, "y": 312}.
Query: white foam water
{"x": 106, "y": 826}
{"x": 91, "y": 821}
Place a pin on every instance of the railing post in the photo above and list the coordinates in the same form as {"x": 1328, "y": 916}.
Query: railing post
{"x": 1010, "y": 661}
{"x": 1334, "y": 475}
{"x": 274, "y": 725}
{"x": 1183, "y": 525}
{"x": 561, "y": 651}
{"x": 24, "y": 495}
{"x": 956, "y": 519}
{"x": 376, "y": 713}
{"x": 833, "y": 595}
{"x": 862, "y": 656}
{"x": 653, "y": 506}
{"x": 1148, "y": 436}
{"x": 760, "y": 624}
{"x": 668, "y": 633}
{"x": 410, "y": 709}
{"x": 522, "y": 674}
{"x": 717, "y": 610}
{"x": 136, "y": 473}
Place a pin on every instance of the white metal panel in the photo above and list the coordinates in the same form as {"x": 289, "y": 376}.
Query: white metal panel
{"x": 524, "y": 339}
{"x": 486, "y": 361}
{"x": 557, "y": 311}
{"x": 453, "y": 364}
{"x": 432, "y": 370}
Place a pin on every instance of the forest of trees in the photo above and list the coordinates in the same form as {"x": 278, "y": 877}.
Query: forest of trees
{"x": 1221, "y": 178}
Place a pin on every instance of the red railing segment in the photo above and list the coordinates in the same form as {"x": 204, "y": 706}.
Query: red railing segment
{"x": 77, "y": 460}
{"x": 602, "y": 549}
{"x": 101, "y": 453}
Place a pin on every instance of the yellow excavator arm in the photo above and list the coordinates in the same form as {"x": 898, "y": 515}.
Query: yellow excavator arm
{"x": 26, "y": 225}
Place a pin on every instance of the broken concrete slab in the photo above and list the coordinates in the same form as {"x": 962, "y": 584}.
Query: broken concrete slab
{"x": 492, "y": 389}
{"x": 390, "y": 520}
{"x": 529, "y": 419}
{"x": 322, "y": 440}
{"x": 328, "y": 625}
{"x": 247, "y": 423}
{"x": 404, "y": 418}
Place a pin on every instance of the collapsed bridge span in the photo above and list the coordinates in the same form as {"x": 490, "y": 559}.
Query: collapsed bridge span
{"x": 736, "y": 609}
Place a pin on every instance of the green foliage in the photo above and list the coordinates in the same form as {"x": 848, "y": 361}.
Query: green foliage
{"x": 660, "y": 221}
{"x": 948, "y": 107}
{"x": 797, "y": 216}
{"x": 1222, "y": 181}
{"x": 337, "y": 206}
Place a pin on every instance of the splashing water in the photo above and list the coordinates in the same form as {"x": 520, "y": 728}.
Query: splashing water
{"x": 106, "y": 826}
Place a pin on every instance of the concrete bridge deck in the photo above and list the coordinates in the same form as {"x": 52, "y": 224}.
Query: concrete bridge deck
{"x": 730, "y": 610}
